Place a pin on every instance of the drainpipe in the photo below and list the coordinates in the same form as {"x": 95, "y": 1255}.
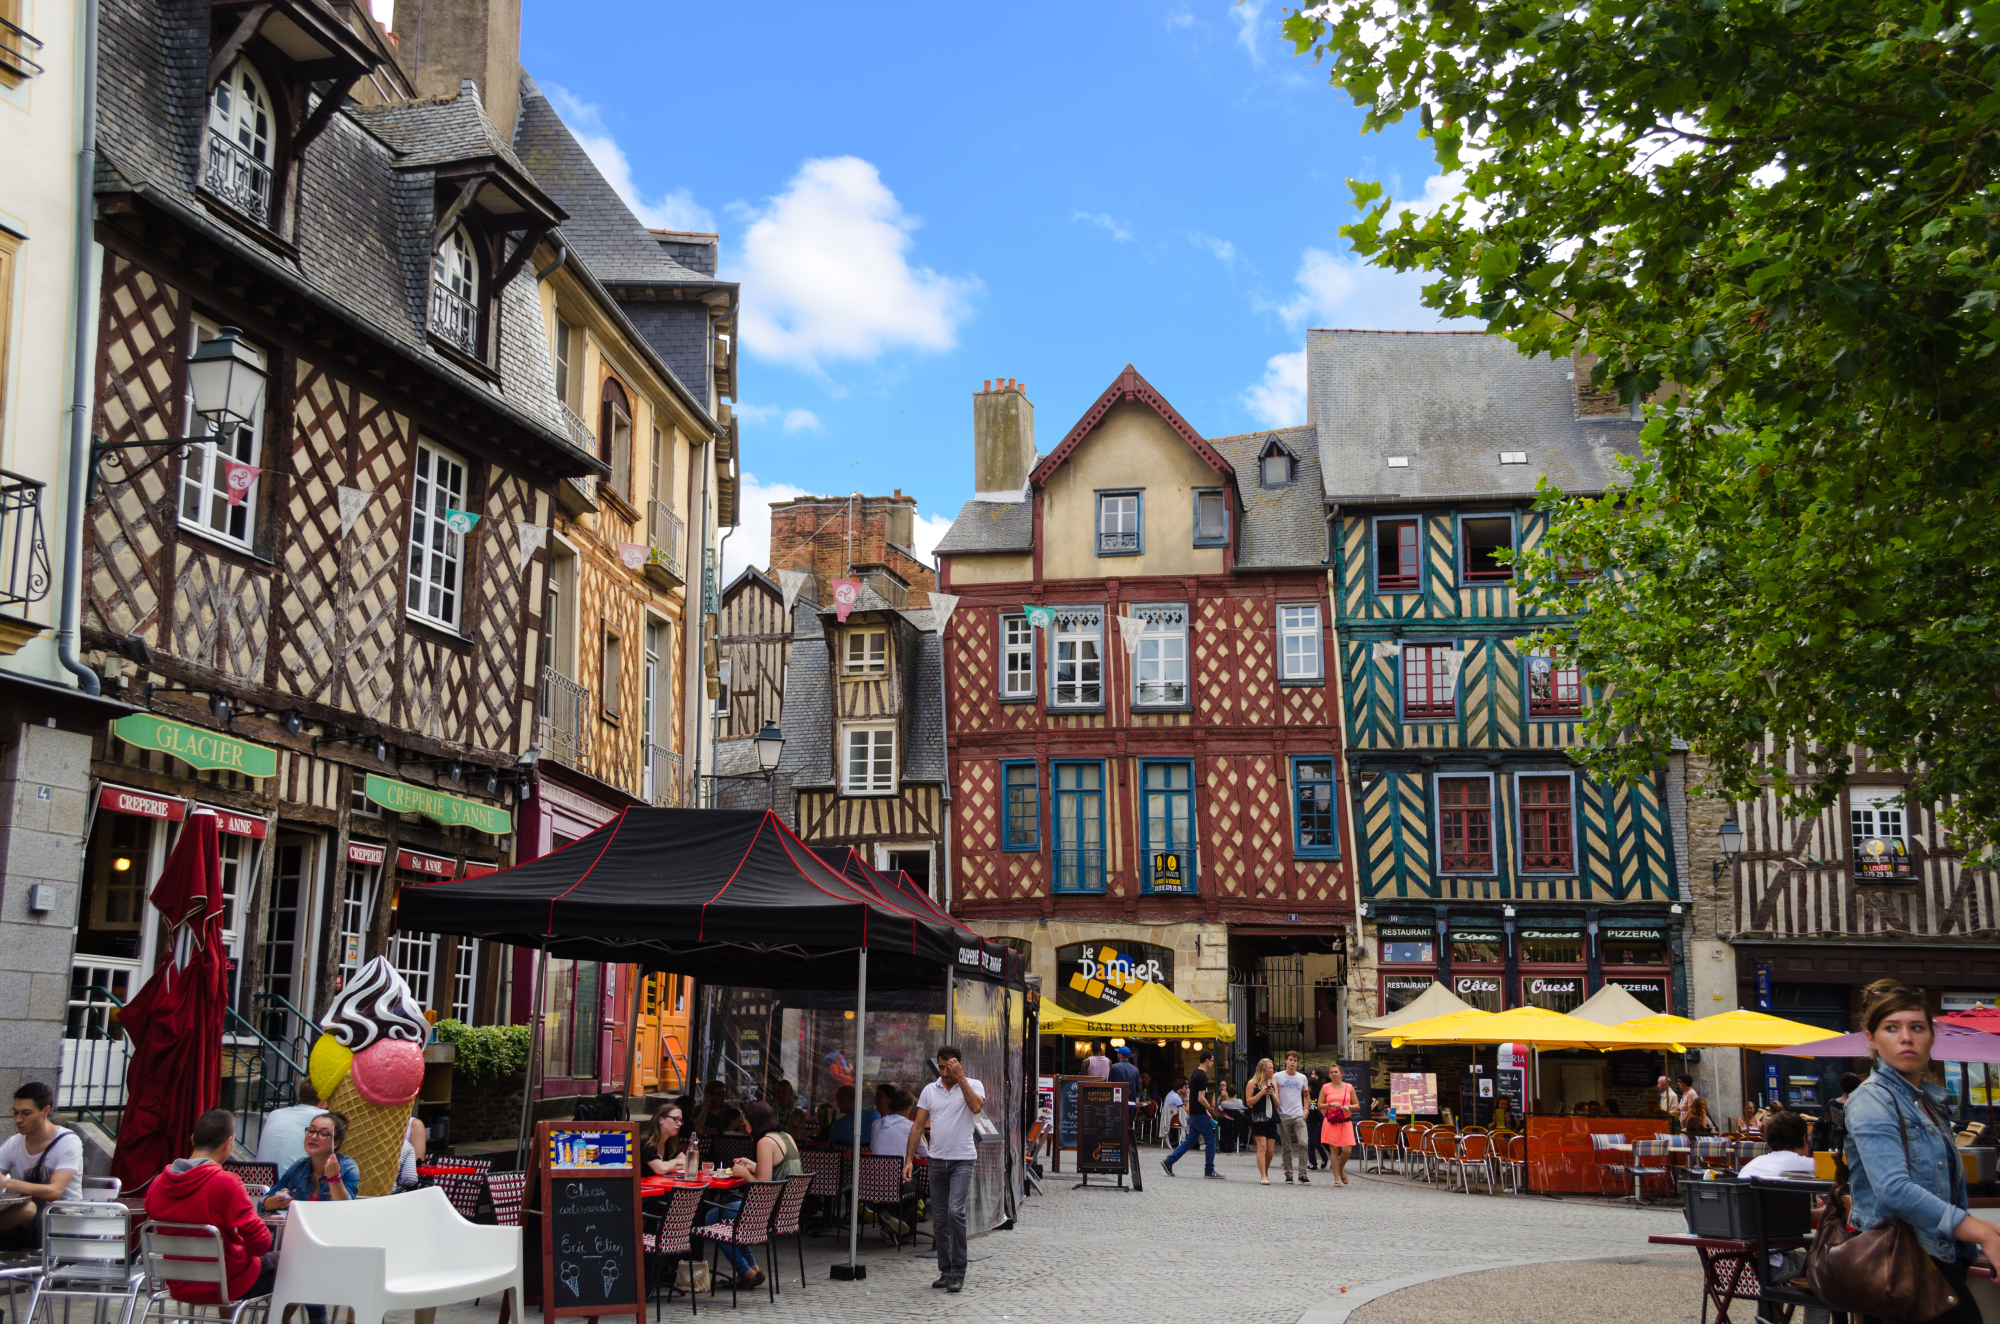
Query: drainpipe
{"x": 555, "y": 265}
{"x": 80, "y": 411}
{"x": 701, "y": 628}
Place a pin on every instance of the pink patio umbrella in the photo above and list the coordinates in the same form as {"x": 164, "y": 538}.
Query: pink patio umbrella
{"x": 175, "y": 1021}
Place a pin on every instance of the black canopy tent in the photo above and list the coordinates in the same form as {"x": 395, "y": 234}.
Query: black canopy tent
{"x": 727, "y": 896}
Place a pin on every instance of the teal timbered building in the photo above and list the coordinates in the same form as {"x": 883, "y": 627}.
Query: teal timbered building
{"x": 1487, "y": 857}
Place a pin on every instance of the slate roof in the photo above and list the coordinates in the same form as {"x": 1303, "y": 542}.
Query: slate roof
{"x": 1450, "y": 402}
{"x": 437, "y": 130}
{"x": 808, "y": 762}
{"x": 990, "y": 526}
{"x": 364, "y": 214}
{"x": 1279, "y": 527}
{"x": 602, "y": 229}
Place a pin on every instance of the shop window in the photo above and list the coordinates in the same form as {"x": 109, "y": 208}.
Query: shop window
{"x": 464, "y": 975}
{"x": 1547, "y": 843}
{"x": 1397, "y": 569}
{"x": 1552, "y": 992}
{"x": 1620, "y": 950}
{"x": 1399, "y": 991}
{"x": 1478, "y": 948}
{"x": 116, "y": 873}
{"x": 1544, "y": 948}
{"x": 569, "y": 1032}
{"x": 357, "y": 916}
{"x": 1408, "y": 946}
{"x": 414, "y": 955}
{"x": 1480, "y": 991}
{"x": 1481, "y": 542}
{"x": 1465, "y": 824}
{"x": 1651, "y": 992}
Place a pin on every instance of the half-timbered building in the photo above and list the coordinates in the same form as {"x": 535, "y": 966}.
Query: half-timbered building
{"x": 754, "y": 646}
{"x": 1144, "y": 728}
{"x": 1489, "y": 859}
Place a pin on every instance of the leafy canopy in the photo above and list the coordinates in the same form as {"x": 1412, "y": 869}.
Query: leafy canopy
{"x": 1774, "y": 221}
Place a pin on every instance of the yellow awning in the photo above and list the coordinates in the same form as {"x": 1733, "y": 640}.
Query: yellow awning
{"x": 1522, "y": 1025}
{"x": 1660, "y": 1031}
{"x": 1152, "y": 1012}
{"x": 1749, "y": 1029}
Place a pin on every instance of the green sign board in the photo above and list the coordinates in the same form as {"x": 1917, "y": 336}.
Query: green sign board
{"x": 196, "y": 747}
{"x": 451, "y": 810}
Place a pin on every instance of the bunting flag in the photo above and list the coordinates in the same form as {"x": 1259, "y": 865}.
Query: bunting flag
{"x": 1129, "y": 630}
{"x": 532, "y": 537}
{"x": 942, "y": 606}
{"x": 1388, "y": 648}
{"x": 1454, "y": 658}
{"x": 633, "y": 554}
{"x": 350, "y": 500}
{"x": 1042, "y": 618}
{"x": 459, "y": 521}
{"x": 239, "y": 476}
{"x": 845, "y": 593}
{"x": 791, "y": 581}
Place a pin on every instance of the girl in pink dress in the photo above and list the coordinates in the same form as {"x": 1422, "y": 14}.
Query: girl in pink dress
{"x": 1337, "y": 1099}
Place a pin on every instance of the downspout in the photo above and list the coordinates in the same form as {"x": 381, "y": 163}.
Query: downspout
{"x": 944, "y": 737}
{"x": 701, "y": 628}
{"x": 80, "y": 411}
{"x": 560, "y": 260}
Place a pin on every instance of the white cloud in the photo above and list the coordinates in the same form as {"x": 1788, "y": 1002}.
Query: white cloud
{"x": 1247, "y": 14}
{"x": 826, "y": 272}
{"x": 750, "y": 544}
{"x": 1336, "y": 290}
{"x": 1279, "y": 401}
{"x": 1221, "y": 249}
{"x": 801, "y": 420}
{"x": 1118, "y": 230}
{"x": 668, "y": 211}
{"x": 1180, "y": 18}
{"x": 760, "y": 413}
{"x": 926, "y": 533}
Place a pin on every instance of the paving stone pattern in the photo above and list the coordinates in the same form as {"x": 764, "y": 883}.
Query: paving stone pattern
{"x": 1191, "y": 1245}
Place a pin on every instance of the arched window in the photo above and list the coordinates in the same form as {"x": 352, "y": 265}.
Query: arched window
{"x": 240, "y": 134}
{"x": 455, "y": 293}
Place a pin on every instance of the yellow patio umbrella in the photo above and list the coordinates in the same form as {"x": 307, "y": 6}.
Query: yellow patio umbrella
{"x": 1748, "y": 1029}
{"x": 1536, "y": 1026}
{"x": 1661, "y": 1032}
{"x": 1153, "y": 1012}
{"x": 1435, "y": 1030}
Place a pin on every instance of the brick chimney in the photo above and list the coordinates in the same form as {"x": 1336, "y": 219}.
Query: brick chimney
{"x": 1003, "y": 440}
{"x": 872, "y": 536}
{"x": 443, "y": 41}
{"x": 1591, "y": 402}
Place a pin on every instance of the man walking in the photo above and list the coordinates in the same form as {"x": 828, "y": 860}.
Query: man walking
{"x": 1201, "y": 1120}
{"x": 1293, "y": 1090}
{"x": 1124, "y": 1073}
{"x": 948, "y": 1105}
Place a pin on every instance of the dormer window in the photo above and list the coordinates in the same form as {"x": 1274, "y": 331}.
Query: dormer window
{"x": 1274, "y": 465}
{"x": 238, "y": 169}
{"x": 455, "y": 293}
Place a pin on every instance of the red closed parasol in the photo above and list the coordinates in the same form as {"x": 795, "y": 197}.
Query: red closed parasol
{"x": 175, "y": 1021}
{"x": 1981, "y": 1017}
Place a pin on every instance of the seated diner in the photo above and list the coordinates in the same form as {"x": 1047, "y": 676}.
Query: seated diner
{"x": 198, "y": 1189}
{"x": 38, "y": 1162}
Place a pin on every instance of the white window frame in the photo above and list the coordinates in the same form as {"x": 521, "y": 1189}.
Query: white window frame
{"x": 1162, "y": 652}
{"x": 205, "y": 476}
{"x": 1869, "y": 811}
{"x": 1017, "y": 658}
{"x": 464, "y": 979}
{"x": 239, "y": 114}
{"x": 437, "y": 555}
{"x": 866, "y": 661}
{"x": 723, "y": 677}
{"x": 356, "y": 918}
{"x": 1077, "y": 649}
{"x": 1294, "y": 629}
{"x": 877, "y": 774}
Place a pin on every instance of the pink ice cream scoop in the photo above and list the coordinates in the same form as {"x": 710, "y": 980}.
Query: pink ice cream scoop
{"x": 389, "y": 1072}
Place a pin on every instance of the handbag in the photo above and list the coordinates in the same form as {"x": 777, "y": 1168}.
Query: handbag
{"x": 1336, "y": 1113}
{"x": 1882, "y": 1271}
{"x": 691, "y": 1276}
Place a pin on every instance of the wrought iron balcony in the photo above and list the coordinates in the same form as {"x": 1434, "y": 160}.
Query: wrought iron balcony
{"x": 454, "y": 320}
{"x": 663, "y": 777}
{"x": 14, "y": 44}
{"x": 24, "y": 550}
{"x": 578, "y": 495}
{"x": 566, "y": 714}
{"x": 667, "y": 533}
{"x": 238, "y": 178}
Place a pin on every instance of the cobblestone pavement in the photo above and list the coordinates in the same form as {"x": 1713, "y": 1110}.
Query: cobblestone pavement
{"x": 1649, "y": 1289}
{"x": 1271, "y": 1253}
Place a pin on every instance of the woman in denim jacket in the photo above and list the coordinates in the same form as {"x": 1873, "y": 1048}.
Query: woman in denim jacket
{"x": 1926, "y": 1190}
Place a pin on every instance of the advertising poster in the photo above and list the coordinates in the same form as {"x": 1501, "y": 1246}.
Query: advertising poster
{"x": 1413, "y": 1093}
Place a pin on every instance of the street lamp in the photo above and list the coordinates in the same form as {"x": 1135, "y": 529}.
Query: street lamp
{"x": 770, "y": 744}
{"x": 1730, "y": 838}
{"x": 226, "y": 381}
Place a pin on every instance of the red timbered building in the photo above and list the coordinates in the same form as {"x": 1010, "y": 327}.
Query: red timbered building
{"x": 1144, "y": 733}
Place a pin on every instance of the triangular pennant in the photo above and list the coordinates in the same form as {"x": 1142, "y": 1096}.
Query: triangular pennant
{"x": 1388, "y": 648}
{"x": 791, "y": 581}
{"x": 845, "y": 593}
{"x": 239, "y": 476}
{"x": 1042, "y": 618}
{"x": 459, "y": 521}
{"x": 1129, "y": 630}
{"x": 942, "y": 606}
{"x": 532, "y": 537}
{"x": 350, "y": 500}
{"x": 633, "y": 554}
{"x": 1454, "y": 658}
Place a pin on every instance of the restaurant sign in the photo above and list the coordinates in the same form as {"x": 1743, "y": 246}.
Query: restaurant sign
{"x": 450, "y": 810}
{"x": 124, "y": 800}
{"x": 1557, "y": 934}
{"x": 1652, "y": 992}
{"x": 1096, "y": 976}
{"x": 1613, "y": 933}
{"x": 196, "y": 747}
{"x": 1418, "y": 931}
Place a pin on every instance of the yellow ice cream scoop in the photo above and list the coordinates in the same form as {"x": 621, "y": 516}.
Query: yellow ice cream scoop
{"x": 328, "y": 1065}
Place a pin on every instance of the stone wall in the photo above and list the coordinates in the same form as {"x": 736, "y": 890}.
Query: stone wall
{"x": 44, "y": 794}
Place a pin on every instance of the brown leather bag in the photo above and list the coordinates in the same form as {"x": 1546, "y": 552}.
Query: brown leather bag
{"x": 1883, "y": 1272}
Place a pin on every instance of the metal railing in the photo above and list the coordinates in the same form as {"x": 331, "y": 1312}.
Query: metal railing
{"x": 24, "y": 549}
{"x": 14, "y": 54}
{"x": 663, "y": 777}
{"x": 565, "y": 719}
{"x": 584, "y": 438}
{"x": 453, "y": 319}
{"x": 95, "y": 1052}
{"x": 238, "y": 178}
{"x": 261, "y": 1074}
{"x": 668, "y": 534}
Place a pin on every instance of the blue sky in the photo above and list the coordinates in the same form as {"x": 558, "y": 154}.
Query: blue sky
{"x": 920, "y": 198}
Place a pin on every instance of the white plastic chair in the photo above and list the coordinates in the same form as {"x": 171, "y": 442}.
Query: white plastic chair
{"x": 399, "y": 1252}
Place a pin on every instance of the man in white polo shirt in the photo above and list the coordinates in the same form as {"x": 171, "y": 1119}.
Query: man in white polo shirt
{"x": 948, "y": 1105}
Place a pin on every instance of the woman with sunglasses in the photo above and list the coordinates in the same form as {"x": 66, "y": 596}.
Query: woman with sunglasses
{"x": 1902, "y": 1151}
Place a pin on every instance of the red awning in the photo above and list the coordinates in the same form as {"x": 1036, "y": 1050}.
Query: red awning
{"x": 125, "y": 800}
{"x": 362, "y": 852}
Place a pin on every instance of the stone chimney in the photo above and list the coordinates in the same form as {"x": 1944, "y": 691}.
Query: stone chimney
{"x": 869, "y": 536}
{"x": 444, "y": 41}
{"x": 1003, "y": 440}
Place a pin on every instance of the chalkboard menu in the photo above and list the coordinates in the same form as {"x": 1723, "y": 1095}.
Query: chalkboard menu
{"x": 1513, "y": 1087}
{"x": 593, "y": 1260}
{"x": 1101, "y": 1118}
{"x": 1066, "y": 1088}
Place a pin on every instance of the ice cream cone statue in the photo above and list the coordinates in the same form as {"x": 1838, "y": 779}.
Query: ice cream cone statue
{"x": 369, "y": 1064}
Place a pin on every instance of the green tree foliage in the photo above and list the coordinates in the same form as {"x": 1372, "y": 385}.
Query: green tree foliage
{"x": 1775, "y": 222}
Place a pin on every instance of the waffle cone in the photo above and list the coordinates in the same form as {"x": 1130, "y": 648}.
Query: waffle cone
{"x": 375, "y": 1137}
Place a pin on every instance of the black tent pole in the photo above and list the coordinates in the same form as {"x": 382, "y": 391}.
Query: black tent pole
{"x": 536, "y": 993}
{"x": 855, "y": 1272}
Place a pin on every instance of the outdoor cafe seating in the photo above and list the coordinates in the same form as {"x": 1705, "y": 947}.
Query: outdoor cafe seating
{"x": 410, "y": 1251}
{"x": 178, "y": 1256}
{"x": 749, "y": 1224}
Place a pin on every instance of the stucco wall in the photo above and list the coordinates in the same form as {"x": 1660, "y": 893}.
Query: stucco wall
{"x": 995, "y": 569}
{"x": 1132, "y": 445}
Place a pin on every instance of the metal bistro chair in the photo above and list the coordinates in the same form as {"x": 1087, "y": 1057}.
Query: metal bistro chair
{"x": 786, "y": 1222}
{"x": 1364, "y": 1141}
{"x": 829, "y": 1169}
{"x": 1650, "y": 1158}
{"x": 1516, "y": 1163}
{"x": 98, "y": 1190}
{"x": 1471, "y": 1157}
{"x": 882, "y": 1190}
{"x": 1410, "y": 1147}
{"x": 87, "y": 1256}
{"x": 265, "y": 1174}
{"x": 1440, "y": 1148}
{"x": 182, "y": 1255}
{"x": 1385, "y": 1145}
{"x": 463, "y": 1189}
{"x": 751, "y": 1226}
{"x": 510, "y": 1192}
{"x": 1614, "y": 1166}
{"x": 669, "y": 1237}
{"x": 727, "y": 1149}
{"x": 1712, "y": 1154}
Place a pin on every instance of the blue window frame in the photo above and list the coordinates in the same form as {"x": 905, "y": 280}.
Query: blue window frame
{"x": 1479, "y": 537}
{"x": 1427, "y": 677}
{"x": 1399, "y": 555}
{"x": 1021, "y": 798}
{"x": 1315, "y": 808}
{"x": 1121, "y": 522}
{"x": 1078, "y": 796}
{"x": 1211, "y": 517}
{"x": 1166, "y": 826}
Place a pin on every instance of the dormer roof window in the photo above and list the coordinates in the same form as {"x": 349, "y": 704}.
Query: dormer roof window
{"x": 455, "y": 293}
{"x": 238, "y": 167}
{"x": 1275, "y": 464}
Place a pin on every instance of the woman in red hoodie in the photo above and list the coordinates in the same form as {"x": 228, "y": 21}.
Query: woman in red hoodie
{"x": 198, "y": 1189}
